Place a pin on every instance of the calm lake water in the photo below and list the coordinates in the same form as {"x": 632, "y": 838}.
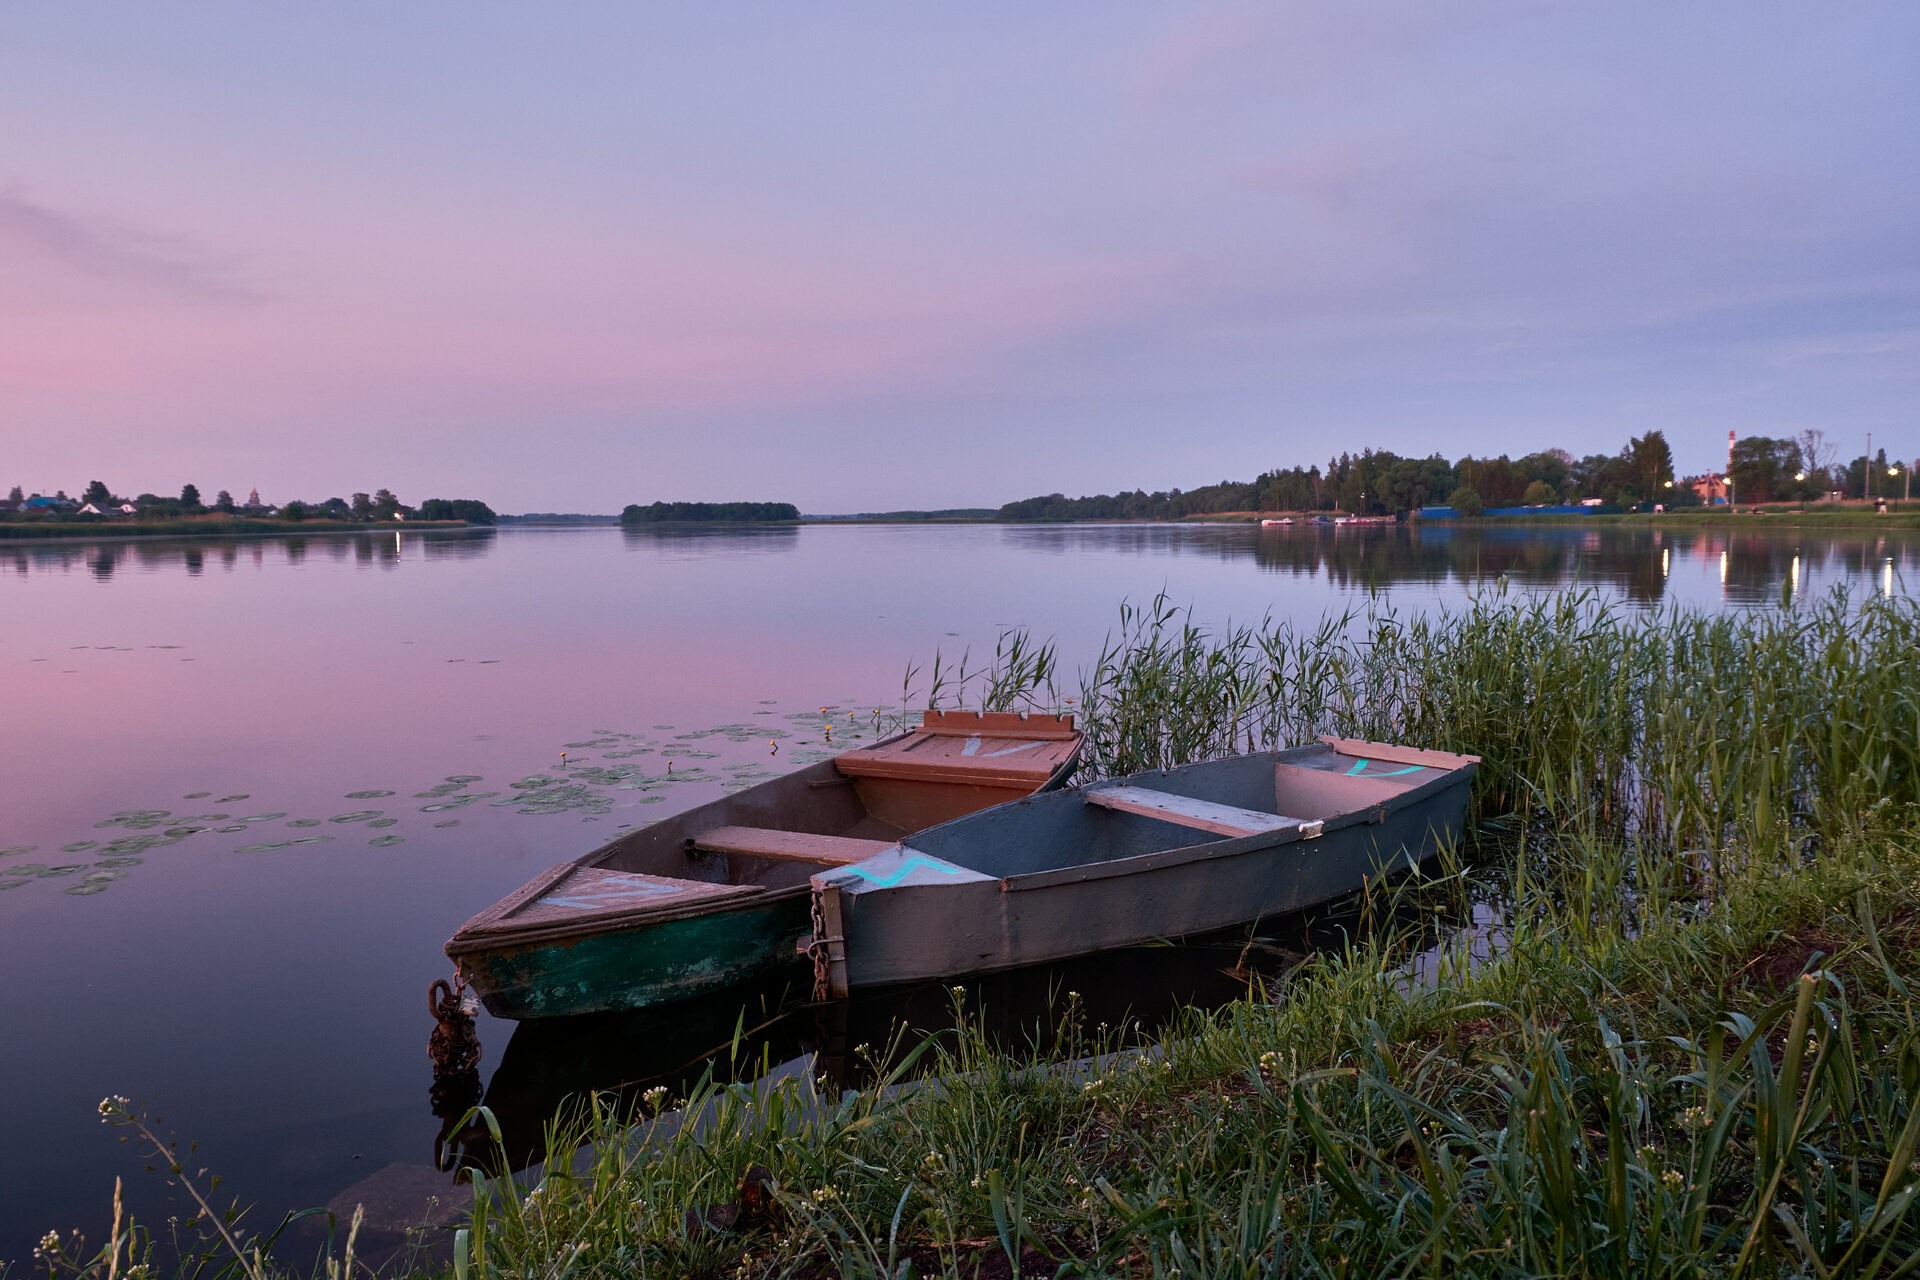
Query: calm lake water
{"x": 248, "y": 788}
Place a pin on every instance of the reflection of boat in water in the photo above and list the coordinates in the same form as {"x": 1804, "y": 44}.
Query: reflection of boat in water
{"x": 719, "y": 894}
{"x": 1367, "y": 520}
{"x": 1275, "y": 524}
{"x": 1162, "y": 854}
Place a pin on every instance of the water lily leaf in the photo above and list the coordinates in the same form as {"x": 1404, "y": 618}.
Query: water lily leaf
{"x": 65, "y": 869}
{"x": 304, "y": 822}
{"x": 11, "y": 884}
{"x": 138, "y": 844}
{"x": 463, "y": 778}
{"x": 237, "y": 826}
{"x": 384, "y": 822}
{"x": 264, "y": 817}
{"x": 119, "y": 862}
{"x": 368, "y": 795}
{"x": 233, "y": 799}
{"x": 196, "y": 795}
{"x": 386, "y": 842}
{"x": 14, "y": 851}
{"x": 87, "y": 888}
{"x": 359, "y": 815}
{"x": 450, "y": 822}
{"x": 79, "y": 846}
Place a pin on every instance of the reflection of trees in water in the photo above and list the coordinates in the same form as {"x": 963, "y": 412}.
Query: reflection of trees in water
{"x": 1759, "y": 562}
{"x": 107, "y": 557}
{"x": 712, "y": 539}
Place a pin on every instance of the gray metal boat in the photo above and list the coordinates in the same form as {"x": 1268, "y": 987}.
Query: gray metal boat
{"x": 1153, "y": 855}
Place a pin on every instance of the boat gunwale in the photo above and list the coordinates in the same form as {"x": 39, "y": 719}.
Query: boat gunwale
{"x": 1375, "y": 812}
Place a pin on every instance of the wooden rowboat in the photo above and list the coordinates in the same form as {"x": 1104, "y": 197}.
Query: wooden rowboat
{"x": 1154, "y": 855}
{"x": 720, "y": 894}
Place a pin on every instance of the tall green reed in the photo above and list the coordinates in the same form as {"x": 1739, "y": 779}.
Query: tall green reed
{"x": 1687, "y": 729}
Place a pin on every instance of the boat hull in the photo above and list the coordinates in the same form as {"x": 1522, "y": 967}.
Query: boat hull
{"x": 638, "y": 968}
{"x": 943, "y": 918}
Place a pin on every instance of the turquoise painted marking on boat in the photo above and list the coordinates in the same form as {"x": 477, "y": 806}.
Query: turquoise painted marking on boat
{"x": 1392, "y": 773}
{"x": 905, "y": 869}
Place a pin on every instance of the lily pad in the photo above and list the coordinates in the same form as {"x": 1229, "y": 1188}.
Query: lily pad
{"x": 233, "y": 799}
{"x": 463, "y": 778}
{"x": 80, "y": 846}
{"x": 65, "y": 869}
{"x": 386, "y": 842}
{"x": 137, "y": 844}
{"x": 184, "y": 831}
{"x": 137, "y": 819}
{"x": 359, "y": 815}
{"x": 450, "y": 822}
{"x": 232, "y": 827}
{"x": 384, "y": 822}
{"x": 196, "y": 795}
{"x": 119, "y": 862}
{"x": 264, "y": 817}
{"x": 368, "y": 795}
{"x": 14, "y": 851}
{"x": 11, "y": 884}
{"x": 87, "y": 888}
{"x": 304, "y": 822}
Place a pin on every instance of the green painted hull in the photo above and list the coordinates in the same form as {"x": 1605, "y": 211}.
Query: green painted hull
{"x": 635, "y": 968}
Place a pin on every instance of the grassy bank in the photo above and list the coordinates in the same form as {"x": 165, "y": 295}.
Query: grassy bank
{"x": 1655, "y": 1020}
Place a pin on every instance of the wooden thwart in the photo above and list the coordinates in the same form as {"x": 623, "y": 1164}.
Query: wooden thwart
{"x": 1358, "y": 747}
{"x": 788, "y": 846}
{"x": 1205, "y": 815}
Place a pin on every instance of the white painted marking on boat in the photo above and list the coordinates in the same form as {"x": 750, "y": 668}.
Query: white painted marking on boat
{"x": 1010, "y": 751}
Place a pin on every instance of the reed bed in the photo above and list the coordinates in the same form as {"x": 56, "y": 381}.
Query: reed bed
{"x": 1673, "y": 727}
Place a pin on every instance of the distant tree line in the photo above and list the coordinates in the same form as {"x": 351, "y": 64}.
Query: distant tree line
{"x": 1378, "y": 482}
{"x": 362, "y": 508}
{"x": 662, "y": 512}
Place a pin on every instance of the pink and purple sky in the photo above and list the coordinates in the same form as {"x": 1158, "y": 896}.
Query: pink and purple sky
{"x": 861, "y": 257}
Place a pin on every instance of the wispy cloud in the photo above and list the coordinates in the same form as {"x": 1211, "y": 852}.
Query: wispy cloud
{"x": 46, "y": 241}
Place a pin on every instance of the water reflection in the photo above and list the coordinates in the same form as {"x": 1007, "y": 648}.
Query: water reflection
{"x": 690, "y": 541}
{"x": 104, "y": 558}
{"x": 1756, "y": 566}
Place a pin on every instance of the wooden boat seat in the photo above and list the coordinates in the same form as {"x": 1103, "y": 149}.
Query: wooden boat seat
{"x": 788, "y": 846}
{"x": 990, "y": 749}
{"x": 1204, "y": 815}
